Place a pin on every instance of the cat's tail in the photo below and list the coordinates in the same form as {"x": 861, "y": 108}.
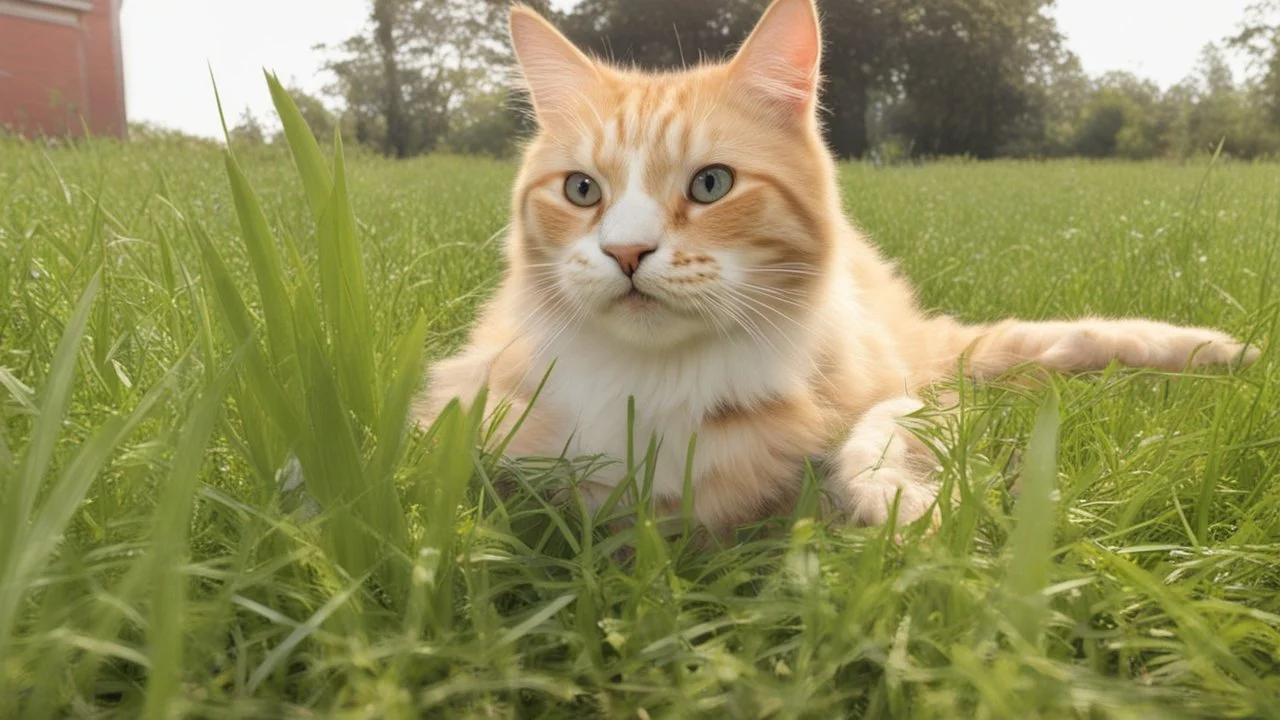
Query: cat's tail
{"x": 985, "y": 351}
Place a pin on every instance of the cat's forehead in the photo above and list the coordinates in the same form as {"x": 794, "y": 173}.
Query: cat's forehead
{"x": 637, "y": 108}
{"x": 664, "y": 118}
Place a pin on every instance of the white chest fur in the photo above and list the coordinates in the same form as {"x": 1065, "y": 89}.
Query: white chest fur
{"x": 674, "y": 392}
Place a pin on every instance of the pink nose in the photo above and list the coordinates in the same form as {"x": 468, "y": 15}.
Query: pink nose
{"x": 628, "y": 256}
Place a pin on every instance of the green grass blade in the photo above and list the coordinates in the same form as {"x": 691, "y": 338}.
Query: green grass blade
{"x": 445, "y": 475}
{"x": 217, "y": 99}
{"x": 235, "y": 314}
{"x": 406, "y": 373}
{"x": 361, "y": 518}
{"x": 281, "y": 652}
{"x": 264, "y": 256}
{"x": 169, "y": 548}
{"x": 345, "y": 298}
{"x": 316, "y": 179}
{"x": 21, "y": 540}
{"x": 1029, "y": 567}
{"x": 53, "y": 409}
{"x": 1201, "y": 639}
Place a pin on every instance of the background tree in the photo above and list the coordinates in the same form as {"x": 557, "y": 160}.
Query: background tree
{"x": 1259, "y": 39}
{"x": 903, "y": 78}
{"x": 1055, "y": 103}
{"x": 969, "y": 70}
{"x": 661, "y": 34}
{"x": 1124, "y": 117}
{"x": 247, "y": 130}
{"x": 414, "y": 65}
{"x": 1222, "y": 112}
{"x": 388, "y": 17}
{"x": 861, "y": 52}
{"x": 486, "y": 124}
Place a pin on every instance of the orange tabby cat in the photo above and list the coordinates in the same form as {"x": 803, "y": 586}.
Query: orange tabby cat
{"x": 678, "y": 238}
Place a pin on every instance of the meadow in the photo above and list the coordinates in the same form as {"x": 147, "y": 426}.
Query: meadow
{"x": 212, "y": 507}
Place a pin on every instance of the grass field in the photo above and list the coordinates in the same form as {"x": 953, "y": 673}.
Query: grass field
{"x": 167, "y": 346}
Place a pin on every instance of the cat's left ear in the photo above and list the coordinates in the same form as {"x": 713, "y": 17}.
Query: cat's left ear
{"x": 778, "y": 64}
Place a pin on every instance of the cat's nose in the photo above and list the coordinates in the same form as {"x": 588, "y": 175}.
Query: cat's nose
{"x": 629, "y": 257}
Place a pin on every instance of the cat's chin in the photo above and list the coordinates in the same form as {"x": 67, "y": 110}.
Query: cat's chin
{"x": 639, "y": 319}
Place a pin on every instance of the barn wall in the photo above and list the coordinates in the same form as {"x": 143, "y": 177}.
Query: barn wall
{"x": 59, "y": 66}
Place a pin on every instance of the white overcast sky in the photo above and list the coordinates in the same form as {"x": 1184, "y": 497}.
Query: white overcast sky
{"x": 169, "y": 45}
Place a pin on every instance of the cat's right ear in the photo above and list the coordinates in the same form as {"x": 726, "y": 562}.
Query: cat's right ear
{"x": 555, "y": 72}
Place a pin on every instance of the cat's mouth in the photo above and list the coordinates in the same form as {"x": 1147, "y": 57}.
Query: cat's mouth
{"x": 637, "y": 299}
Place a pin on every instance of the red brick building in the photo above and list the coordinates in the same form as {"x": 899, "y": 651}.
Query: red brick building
{"x": 61, "y": 68}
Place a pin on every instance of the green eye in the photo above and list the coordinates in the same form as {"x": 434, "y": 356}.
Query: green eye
{"x": 711, "y": 184}
{"x": 582, "y": 190}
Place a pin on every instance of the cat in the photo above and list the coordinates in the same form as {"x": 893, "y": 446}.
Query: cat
{"x": 678, "y": 238}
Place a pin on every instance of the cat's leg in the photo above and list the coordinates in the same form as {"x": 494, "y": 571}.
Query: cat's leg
{"x": 880, "y": 461}
{"x": 1089, "y": 345}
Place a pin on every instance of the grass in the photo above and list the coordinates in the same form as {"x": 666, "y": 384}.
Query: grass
{"x": 185, "y": 336}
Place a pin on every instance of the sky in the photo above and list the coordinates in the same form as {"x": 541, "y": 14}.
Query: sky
{"x": 169, "y": 46}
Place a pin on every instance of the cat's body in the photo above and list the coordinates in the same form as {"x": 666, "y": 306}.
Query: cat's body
{"x": 679, "y": 239}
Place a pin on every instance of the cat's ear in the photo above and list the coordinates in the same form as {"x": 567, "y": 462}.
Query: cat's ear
{"x": 778, "y": 64}
{"x": 555, "y": 72}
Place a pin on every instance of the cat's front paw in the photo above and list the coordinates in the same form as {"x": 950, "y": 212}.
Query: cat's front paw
{"x": 1224, "y": 350}
{"x": 870, "y": 498}
{"x": 1195, "y": 347}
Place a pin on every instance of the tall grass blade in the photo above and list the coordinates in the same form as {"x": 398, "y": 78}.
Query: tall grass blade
{"x": 329, "y": 452}
{"x": 345, "y": 299}
{"x": 53, "y": 410}
{"x": 264, "y": 256}
{"x": 169, "y": 543}
{"x": 265, "y": 386}
{"x": 406, "y": 373}
{"x": 312, "y": 169}
{"x": 445, "y": 474}
{"x": 1029, "y": 567}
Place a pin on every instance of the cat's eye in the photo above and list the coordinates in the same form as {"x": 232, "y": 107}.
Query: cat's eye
{"x": 710, "y": 184}
{"x": 582, "y": 190}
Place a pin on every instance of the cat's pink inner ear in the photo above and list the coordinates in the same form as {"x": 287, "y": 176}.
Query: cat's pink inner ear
{"x": 555, "y": 72}
{"x": 779, "y": 62}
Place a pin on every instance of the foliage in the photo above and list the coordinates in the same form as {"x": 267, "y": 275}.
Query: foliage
{"x": 918, "y": 78}
{"x": 957, "y": 72}
{"x": 487, "y": 124}
{"x": 248, "y": 130}
{"x": 416, "y": 66}
{"x": 1259, "y": 38}
{"x": 1123, "y": 116}
{"x": 967, "y": 69}
{"x": 661, "y": 33}
{"x": 1221, "y": 112}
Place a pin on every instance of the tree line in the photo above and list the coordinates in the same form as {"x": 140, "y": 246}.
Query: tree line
{"x": 904, "y": 78}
